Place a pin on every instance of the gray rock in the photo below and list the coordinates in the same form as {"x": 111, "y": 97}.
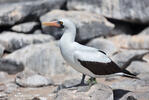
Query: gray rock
{"x": 131, "y": 42}
{"x": 136, "y": 96}
{"x": 144, "y": 76}
{"x": 71, "y": 84}
{"x": 120, "y": 41}
{"x": 96, "y": 91}
{"x": 101, "y": 91}
{"x": 3, "y": 96}
{"x": 132, "y": 11}
{"x": 70, "y": 95}
{"x": 42, "y": 58}
{"x": 13, "y": 13}
{"x": 138, "y": 67}
{"x": 3, "y": 76}
{"x": 37, "y": 32}
{"x": 124, "y": 58}
{"x": 2, "y": 87}
{"x": 104, "y": 45}
{"x": 12, "y": 41}
{"x": 12, "y": 1}
{"x": 31, "y": 79}
{"x": 145, "y": 31}
{"x": 1, "y": 50}
{"x": 131, "y": 85}
{"x": 10, "y": 66}
{"x": 27, "y": 27}
{"x": 11, "y": 87}
{"x": 139, "y": 42}
{"x": 146, "y": 58}
{"x": 88, "y": 24}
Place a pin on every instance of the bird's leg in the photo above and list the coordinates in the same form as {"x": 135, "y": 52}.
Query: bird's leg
{"x": 82, "y": 83}
{"x": 83, "y": 78}
{"x": 92, "y": 81}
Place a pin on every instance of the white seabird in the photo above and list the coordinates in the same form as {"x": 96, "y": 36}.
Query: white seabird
{"x": 87, "y": 60}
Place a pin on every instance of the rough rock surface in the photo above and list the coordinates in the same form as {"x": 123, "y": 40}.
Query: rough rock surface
{"x": 88, "y": 24}
{"x": 124, "y": 58}
{"x": 104, "y": 45}
{"x": 12, "y": 41}
{"x": 10, "y": 66}
{"x": 27, "y": 27}
{"x": 1, "y": 50}
{"x": 138, "y": 67}
{"x": 132, "y": 11}
{"x": 117, "y": 27}
{"x": 22, "y": 11}
{"x": 95, "y": 92}
{"x": 43, "y": 58}
{"x": 131, "y": 85}
{"x": 136, "y": 96}
{"x": 145, "y": 31}
{"x": 131, "y": 42}
{"x": 32, "y": 79}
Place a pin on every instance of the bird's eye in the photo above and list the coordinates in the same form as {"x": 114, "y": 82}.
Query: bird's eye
{"x": 60, "y": 22}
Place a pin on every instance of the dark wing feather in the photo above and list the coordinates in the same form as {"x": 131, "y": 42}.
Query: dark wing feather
{"x": 102, "y": 51}
{"x": 99, "y": 68}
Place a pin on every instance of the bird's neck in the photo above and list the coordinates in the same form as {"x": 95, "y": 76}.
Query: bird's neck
{"x": 69, "y": 35}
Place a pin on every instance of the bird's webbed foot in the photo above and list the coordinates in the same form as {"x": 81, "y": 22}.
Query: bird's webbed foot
{"x": 92, "y": 81}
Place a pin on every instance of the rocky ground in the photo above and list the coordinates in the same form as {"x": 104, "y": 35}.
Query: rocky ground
{"x": 31, "y": 65}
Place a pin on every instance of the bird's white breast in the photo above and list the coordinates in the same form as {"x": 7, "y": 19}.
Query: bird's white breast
{"x": 67, "y": 52}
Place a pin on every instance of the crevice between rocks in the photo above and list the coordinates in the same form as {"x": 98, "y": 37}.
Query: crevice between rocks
{"x": 4, "y": 28}
{"x": 64, "y": 6}
{"x": 119, "y": 93}
{"x": 126, "y": 27}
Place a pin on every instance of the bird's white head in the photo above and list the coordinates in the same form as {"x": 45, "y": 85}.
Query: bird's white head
{"x": 67, "y": 25}
{"x": 61, "y": 23}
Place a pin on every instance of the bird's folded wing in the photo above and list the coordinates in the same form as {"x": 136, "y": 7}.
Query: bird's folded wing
{"x": 92, "y": 56}
{"x": 97, "y": 62}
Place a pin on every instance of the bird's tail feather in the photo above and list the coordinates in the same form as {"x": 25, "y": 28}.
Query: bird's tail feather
{"x": 130, "y": 75}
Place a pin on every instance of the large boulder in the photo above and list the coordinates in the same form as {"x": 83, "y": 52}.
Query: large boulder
{"x": 42, "y": 58}
{"x": 138, "y": 67}
{"x": 131, "y": 42}
{"x": 12, "y": 41}
{"x": 88, "y": 25}
{"x": 104, "y": 45}
{"x": 22, "y": 11}
{"x": 29, "y": 78}
{"x": 11, "y": 1}
{"x": 96, "y": 92}
{"x": 11, "y": 66}
{"x": 131, "y": 85}
{"x": 124, "y": 58}
{"x": 136, "y": 96}
{"x": 132, "y": 11}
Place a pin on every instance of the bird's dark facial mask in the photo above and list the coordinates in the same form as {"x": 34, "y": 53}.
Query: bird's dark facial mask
{"x": 58, "y": 24}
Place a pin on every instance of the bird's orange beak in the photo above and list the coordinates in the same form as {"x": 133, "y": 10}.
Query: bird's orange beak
{"x": 54, "y": 24}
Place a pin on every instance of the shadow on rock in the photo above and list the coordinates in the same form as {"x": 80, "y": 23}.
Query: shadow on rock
{"x": 119, "y": 93}
{"x": 10, "y": 67}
